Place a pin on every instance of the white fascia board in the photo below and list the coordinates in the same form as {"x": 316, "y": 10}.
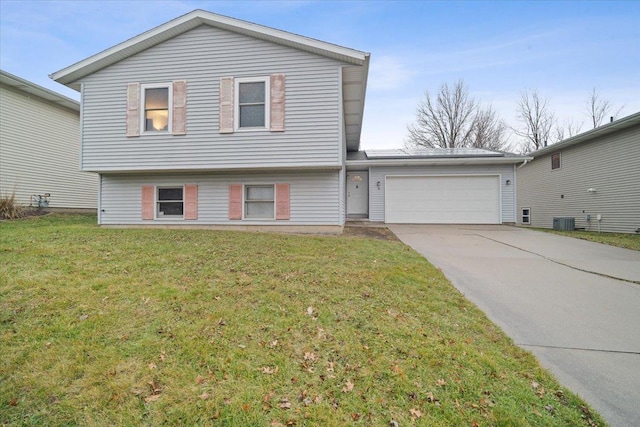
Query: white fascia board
{"x": 620, "y": 124}
{"x": 192, "y": 20}
{"x": 23, "y": 85}
{"x": 199, "y": 170}
{"x": 438, "y": 162}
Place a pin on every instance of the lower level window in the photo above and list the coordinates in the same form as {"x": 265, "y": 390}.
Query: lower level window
{"x": 259, "y": 201}
{"x": 170, "y": 201}
{"x": 526, "y": 216}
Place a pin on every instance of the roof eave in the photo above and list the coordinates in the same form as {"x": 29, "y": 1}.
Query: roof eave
{"x": 440, "y": 161}
{"x": 617, "y": 125}
{"x": 190, "y": 21}
{"x": 23, "y": 85}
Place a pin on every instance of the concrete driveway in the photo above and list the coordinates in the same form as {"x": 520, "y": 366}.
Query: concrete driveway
{"x": 574, "y": 304}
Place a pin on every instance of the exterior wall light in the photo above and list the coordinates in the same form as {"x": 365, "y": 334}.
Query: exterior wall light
{"x": 508, "y": 182}
{"x": 378, "y": 184}
{"x": 591, "y": 190}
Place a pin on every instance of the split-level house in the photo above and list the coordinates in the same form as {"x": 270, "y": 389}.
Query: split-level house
{"x": 209, "y": 120}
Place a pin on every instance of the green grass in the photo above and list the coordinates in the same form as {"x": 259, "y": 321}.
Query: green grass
{"x": 621, "y": 240}
{"x": 191, "y": 327}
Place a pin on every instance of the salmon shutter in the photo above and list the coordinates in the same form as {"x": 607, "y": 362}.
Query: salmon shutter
{"x": 133, "y": 109}
{"x": 235, "y": 201}
{"x": 179, "y": 119}
{"x": 226, "y": 105}
{"x": 282, "y": 201}
{"x": 277, "y": 103}
{"x": 148, "y": 194}
{"x": 191, "y": 201}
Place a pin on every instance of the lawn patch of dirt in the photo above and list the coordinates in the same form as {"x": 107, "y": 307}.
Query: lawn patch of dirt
{"x": 380, "y": 233}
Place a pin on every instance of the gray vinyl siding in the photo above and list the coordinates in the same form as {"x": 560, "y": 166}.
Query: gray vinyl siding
{"x": 201, "y": 57}
{"x": 314, "y": 197}
{"x": 377, "y": 174}
{"x": 39, "y": 152}
{"x": 609, "y": 164}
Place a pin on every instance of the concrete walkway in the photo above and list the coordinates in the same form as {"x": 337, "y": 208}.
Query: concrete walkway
{"x": 574, "y": 304}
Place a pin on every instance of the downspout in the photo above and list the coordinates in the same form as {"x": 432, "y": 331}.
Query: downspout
{"x": 524, "y": 163}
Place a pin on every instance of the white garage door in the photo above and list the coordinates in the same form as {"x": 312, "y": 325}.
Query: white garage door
{"x": 442, "y": 199}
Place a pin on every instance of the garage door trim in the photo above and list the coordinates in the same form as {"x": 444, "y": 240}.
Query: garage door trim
{"x": 457, "y": 175}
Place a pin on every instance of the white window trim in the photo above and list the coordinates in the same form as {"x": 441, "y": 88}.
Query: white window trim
{"x": 156, "y": 210}
{"x": 236, "y": 103}
{"x": 522, "y": 215}
{"x": 143, "y": 111}
{"x": 244, "y": 201}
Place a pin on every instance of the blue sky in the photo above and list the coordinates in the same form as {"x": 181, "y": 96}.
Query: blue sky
{"x": 562, "y": 49}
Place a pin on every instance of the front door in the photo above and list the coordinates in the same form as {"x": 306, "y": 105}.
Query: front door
{"x": 358, "y": 194}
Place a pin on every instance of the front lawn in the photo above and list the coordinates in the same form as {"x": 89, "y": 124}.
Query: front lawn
{"x": 621, "y": 240}
{"x": 189, "y": 327}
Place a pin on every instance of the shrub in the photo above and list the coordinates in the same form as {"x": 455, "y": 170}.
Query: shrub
{"x": 9, "y": 209}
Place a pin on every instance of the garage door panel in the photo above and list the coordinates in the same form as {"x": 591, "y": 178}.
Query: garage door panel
{"x": 442, "y": 199}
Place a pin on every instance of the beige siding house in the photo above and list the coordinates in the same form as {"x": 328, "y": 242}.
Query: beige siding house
{"x": 39, "y": 147}
{"x": 593, "y": 177}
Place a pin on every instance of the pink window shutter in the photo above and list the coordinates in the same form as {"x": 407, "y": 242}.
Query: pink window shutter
{"x": 235, "y": 201}
{"x": 277, "y": 103}
{"x": 191, "y": 201}
{"x": 179, "y": 119}
{"x": 226, "y": 105}
{"x": 282, "y": 201}
{"x": 148, "y": 196}
{"x": 133, "y": 109}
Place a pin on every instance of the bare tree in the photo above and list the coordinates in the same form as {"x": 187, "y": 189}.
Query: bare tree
{"x": 537, "y": 121}
{"x": 454, "y": 119}
{"x": 489, "y": 131}
{"x": 599, "y": 108}
{"x": 567, "y": 130}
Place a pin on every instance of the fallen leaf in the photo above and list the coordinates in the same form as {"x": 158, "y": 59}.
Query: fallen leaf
{"x": 416, "y": 413}
{"x": 152, "y": 398}
{"x": 269, "y": 370}
{"x": 199, "y": 379}
{"x": 331, "y": 367}
{"x": 540, "y": 392}
{"x": 204, "y": 396}
{"x": 13, "y": 401}
{"x": 355, "y": 416}
{"x": 152, "y": 365}
{"x": 431, "y": 398}
{"x": 348, "y": 386}
{"x": 309, "y": 356}
{"x": 273, "y": 343}
{"x": 285, "y": 404}
{"x": 309, "y": 311}
{"x": 534, "y": 384}
{"x": 162, "y": 356}
{"x": 441, "y": 382}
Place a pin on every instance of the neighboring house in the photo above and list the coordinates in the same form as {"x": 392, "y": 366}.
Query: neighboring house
{"x": 209, "y": 120}
{"x": 593, "y": 178}
{"x": 39, "y": 144}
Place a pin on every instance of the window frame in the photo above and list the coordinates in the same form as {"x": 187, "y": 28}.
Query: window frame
{"x": 143, "y": 110}
{"x": 245, "y": 188}
{"x": 559, "y": 157}
{"x": 236, "y": 102}
{"x": 523, "y": 216}
{"x": 157, "y": 202}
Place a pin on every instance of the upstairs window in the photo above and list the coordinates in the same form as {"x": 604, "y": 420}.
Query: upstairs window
{"x": 156, "y": 103}
{"x": 170, "y": 202}
{"x": 555, "y": 161}
{"x": 252, "y": 103}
